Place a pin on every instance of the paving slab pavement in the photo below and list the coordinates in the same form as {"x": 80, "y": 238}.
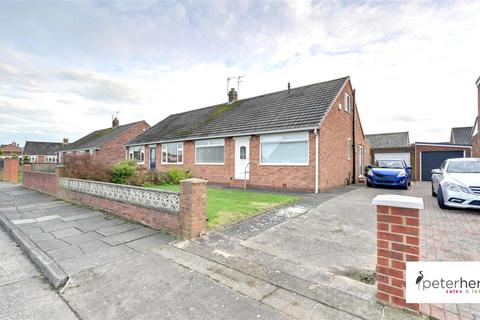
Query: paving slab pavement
{"x": 24, "y": 293}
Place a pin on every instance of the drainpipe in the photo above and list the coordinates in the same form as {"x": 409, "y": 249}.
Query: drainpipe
{"x": 353, "y": 139}
{"x": 315, "y": 132}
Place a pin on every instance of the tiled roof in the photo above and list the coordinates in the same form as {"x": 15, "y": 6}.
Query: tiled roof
{"x": 304, "y": 107}
{"x": 97, "y": 138}
{"x": 389, "y": 140}
{"x": 462, "y": 135}
{"x": 41, "y": 148}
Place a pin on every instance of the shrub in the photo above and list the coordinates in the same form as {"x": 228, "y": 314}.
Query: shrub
{"x": 85, "y": 166}
{"x": 145, "y": 177}
{"x": 175, "y": 175}
{"x": 123, "y": 171}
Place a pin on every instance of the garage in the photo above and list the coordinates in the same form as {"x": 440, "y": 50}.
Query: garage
{"x": 430, "y": 156}
{"x": 433, "y": 159}
{"x": 393, "y": 156}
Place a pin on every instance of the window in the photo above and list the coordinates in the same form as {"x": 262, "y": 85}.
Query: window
{"x": 287, "y": 148}
{"x": 210, "y": 151}
{"x": 349, "y": 149}
{"x": 243, "y": 153}
{"x": 33, "y": 159}
{"x": 172, "y": 153}
{"x": 137, "y": 154}
{"x": 347, "y": 103}
{"x": 51, "y": 159}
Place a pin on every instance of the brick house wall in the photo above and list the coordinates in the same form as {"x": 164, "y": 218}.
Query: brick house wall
{"x": 334, "y": 167}
{"x": 410, "y": 150}
{"x": 423, "y": 148}
{"x": 301, "y": 178}
{"x": 114, "y": 150}
{"x": 476, "y": 138}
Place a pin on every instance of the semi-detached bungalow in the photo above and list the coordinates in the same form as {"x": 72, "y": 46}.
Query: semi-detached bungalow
{"x": 308, "y": 138}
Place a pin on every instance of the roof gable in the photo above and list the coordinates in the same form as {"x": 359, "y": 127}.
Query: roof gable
{"x": 389, "y": 140}
{"x": 302, "y": 108}
{"x": 41, "y": 148}
{"x": 461, "y": 135}
{"x": 97, "y": 138}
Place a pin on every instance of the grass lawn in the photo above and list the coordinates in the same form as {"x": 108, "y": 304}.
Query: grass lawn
{"x": 228, "y": 205}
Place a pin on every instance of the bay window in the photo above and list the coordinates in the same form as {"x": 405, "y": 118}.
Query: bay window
{"x": 284, "y": 149}
{"x": 137, "y": 154}
{"x": 210, "y": 151}
{"x": 172, "y": 153}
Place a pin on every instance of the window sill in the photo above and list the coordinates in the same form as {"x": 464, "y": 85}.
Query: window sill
{"x": 172, "y": 164}
{"x": 209, "y": 164}
{"x": 284, "y": 164}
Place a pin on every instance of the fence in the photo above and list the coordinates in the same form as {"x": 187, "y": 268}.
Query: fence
{"x": 182, "y": 213}
{"x": 44, "y": 167}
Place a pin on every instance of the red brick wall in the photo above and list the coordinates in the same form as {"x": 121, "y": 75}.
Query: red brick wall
{"x": 422, "y": 148}
{"x": 10, "y": 170}
{"x": 398, "y": 241}
{"x": 476, "y": 146}
{"x": 476, "y": 138}
{"x": 336, "y": 128}
{"x": 151, "y": 218}
{"x": 261, "y": 176}
{"x": 114, "y": 151}
{"x": 40, "y": 181}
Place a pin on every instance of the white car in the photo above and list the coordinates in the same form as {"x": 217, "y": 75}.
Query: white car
{"x": 457, "y": 183}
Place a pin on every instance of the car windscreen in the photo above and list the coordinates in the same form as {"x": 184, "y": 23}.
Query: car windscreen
{"x": 464, "y": 167}
{"x": 389, "y": 164}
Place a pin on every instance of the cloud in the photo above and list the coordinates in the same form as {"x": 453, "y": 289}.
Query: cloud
{"x": 406, "y": 118}
{"x": 412, "y": 63}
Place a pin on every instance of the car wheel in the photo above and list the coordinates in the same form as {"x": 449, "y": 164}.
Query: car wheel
{"x": 369, "y": 184}
{"x": 409, "y": 183}
{"x": 441, "y": 201}
{"x": 433, "y": 192}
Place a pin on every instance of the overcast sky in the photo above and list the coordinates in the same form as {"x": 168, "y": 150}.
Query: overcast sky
{"x": 66, "y": 67}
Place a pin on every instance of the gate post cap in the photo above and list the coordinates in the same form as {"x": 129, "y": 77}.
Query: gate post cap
{"x": 398, "y": 201}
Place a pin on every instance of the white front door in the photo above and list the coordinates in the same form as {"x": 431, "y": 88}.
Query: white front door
{"x": 242, "y": 158}
{"x": 361, "y": 164}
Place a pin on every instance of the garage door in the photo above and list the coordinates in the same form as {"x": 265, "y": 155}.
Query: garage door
{"x": 433, "y": 160}
{"x": 393, "y": 156}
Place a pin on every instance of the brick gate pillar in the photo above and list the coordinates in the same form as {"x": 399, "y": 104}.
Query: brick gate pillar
{"x": 193, "y": 213}
{"x": 398, "y": 241}
{"x": 10, "y": 170}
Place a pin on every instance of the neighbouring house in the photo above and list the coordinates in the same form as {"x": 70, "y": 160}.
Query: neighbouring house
{"x": 10, "y": 150}
{"x": 41, "y": 151}
{"x": 475, "y": 131}
{"x": 106, "y": 145}
{"x": 308, "y": 138}
{"x": 461, "y": 135}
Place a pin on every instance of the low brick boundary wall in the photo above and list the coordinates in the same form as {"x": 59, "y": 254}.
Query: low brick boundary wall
{"x": 10, "y": 170}
{"x": 40, "y": 181}
{"x": 398, "y": 241}
{"x": 187, "y": 221}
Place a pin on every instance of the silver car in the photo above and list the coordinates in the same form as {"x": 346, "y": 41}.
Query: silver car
{"x": 457, "y": 183}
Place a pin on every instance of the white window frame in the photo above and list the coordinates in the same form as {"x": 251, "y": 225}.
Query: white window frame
{"x": 211, "y": 143}
{"x": 164, "y": 149}
{"x": 32, "y": 159}
{"x": 299, "y": 164}
{"x": 349, "y": 149}
{"x": 131, "y": 152}
{"x": 347, "y": 103}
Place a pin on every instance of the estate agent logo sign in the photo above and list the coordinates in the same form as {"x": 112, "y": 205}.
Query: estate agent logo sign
{"x": 443, "y": 282}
